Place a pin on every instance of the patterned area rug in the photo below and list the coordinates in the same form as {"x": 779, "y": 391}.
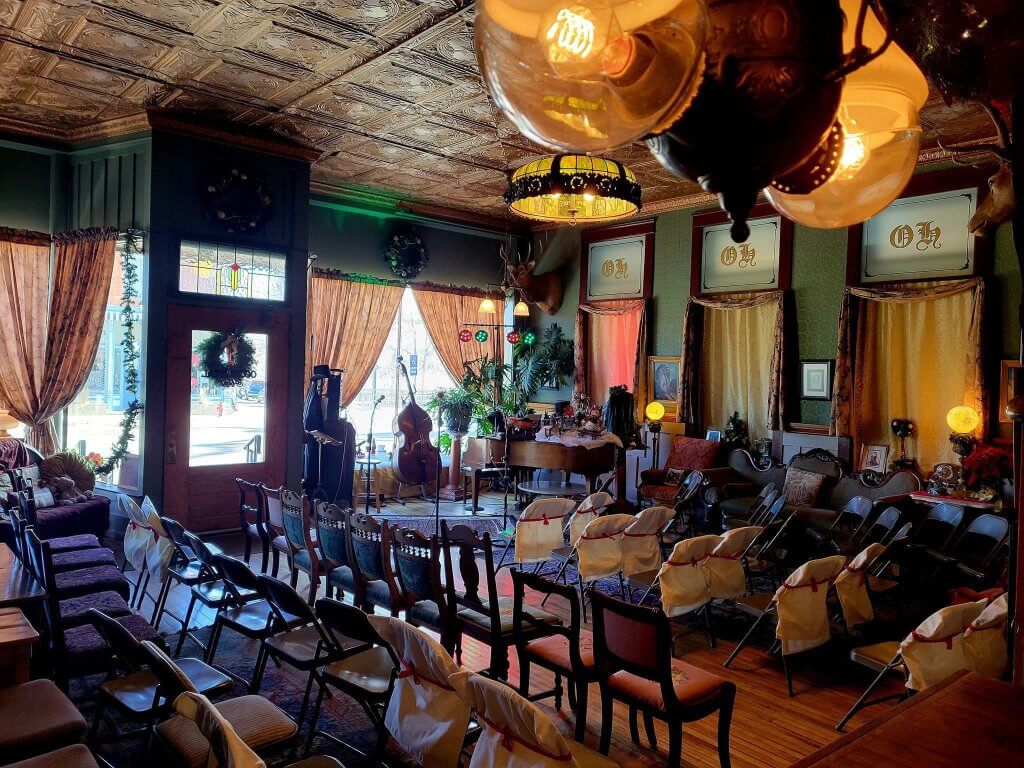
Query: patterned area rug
{"x": 427, "y": 524}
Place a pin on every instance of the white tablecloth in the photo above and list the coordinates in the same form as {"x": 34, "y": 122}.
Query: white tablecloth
{"x": 573, "y": 439}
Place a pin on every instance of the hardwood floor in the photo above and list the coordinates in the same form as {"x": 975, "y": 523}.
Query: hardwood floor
{"x": 769, "y": 729}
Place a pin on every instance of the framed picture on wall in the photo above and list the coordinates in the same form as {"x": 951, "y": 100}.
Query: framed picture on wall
{"x": 663, "y": 382}
{"x": 816, "y": 379}
{"x": 874, "y": 457}
{"x": 761, "y": 263}
{"x": 618, "y": 262}
{"x": 923, "y": 235}
{"x": 1009, "y": 370}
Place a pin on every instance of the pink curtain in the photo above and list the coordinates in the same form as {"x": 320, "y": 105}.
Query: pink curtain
{"x": 611, "y": 345}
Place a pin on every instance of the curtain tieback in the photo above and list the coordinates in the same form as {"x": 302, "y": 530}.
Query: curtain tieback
{"x": 948, "y": 639}
{"x": 509, "y": 739}
{"x": 408, "y": 670}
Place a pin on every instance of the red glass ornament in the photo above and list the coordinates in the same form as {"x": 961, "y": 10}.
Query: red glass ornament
{"x": 513, "y": 337}
{"x": 465, "y": 335}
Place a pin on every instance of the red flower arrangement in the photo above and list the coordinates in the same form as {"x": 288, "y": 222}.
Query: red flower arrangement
{"x": 95, "y": 459}
{"x": 987, "y": 466}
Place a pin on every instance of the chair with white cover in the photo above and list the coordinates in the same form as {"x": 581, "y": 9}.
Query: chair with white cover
{"x": 928, "y": 655}
{"x": 801, "y": 611}
{"x": 589, "y": 510}
{"x": 641, "y": 541}
{"x": 685, "y": 582}
{"x": 539, "y": 530}
{"x": 985, "y": 639}
{"x": 725, "y": 563}
{"x": 516, "y": 733}
{"x": 139, "y": 536}
{"x": 852, "y": 586}
{"x": 599, "y": 552}
{"x": 426, "y": 716}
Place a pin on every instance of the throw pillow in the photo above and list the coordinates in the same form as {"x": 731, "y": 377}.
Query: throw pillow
{"x": 44, "y": 498}
{"x": 71, "y": 464}
{"x": 676, "y": 476}
{"x": 29, "y": 474}
{"x": 5, "y": 484}
{"x": 802, "y": 488}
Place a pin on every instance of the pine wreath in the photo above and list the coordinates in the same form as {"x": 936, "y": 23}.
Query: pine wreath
{"x": 406, "y": 254}
{"x": 227, "y": 359}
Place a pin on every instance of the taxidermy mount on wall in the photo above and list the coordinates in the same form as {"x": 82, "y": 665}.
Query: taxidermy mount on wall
{"x": 546, "y": 291}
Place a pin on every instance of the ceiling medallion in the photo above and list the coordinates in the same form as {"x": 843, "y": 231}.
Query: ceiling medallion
{"x": 573, "y": 189}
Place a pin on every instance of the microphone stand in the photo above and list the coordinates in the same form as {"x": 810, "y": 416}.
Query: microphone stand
{"x": 437, "y": 481}
{"x": 369, "y": 442}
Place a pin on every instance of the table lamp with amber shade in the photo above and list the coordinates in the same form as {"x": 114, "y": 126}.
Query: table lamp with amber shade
{"x": 963, "y": 421}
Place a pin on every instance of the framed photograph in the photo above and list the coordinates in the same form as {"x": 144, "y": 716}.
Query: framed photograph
{"x": 760, "y": 263}
{"x": 714, "y": 435}
{"x": 816, "y": 379}
{"x": 1009, "y": 370}
{"x": 618, "y": 262}
{"x": 663, "y": 382}
{"x": 874, "y": 457}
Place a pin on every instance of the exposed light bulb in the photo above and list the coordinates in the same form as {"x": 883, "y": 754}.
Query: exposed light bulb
{"x": 855, "y": 155}
{"x": 572, "y": 35}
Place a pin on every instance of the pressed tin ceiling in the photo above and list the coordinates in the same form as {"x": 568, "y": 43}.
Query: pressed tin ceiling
{"x": 386, "y": 91}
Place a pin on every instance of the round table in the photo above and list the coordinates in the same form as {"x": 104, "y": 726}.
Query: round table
{"x": 552, "y": 488}
{"x": 367, "y": 463}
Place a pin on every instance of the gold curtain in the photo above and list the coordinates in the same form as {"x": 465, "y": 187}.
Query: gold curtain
{"x": 446, "y": 314}
{"x": 909, "y": 351}
{"x": 611, "y": 349}
{"x": 50, "y": 374}
{"x": 732, "y": 360}
{"x": 349, "y": 324}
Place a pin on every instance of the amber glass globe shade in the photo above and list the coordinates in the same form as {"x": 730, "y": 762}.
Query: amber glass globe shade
{"x": 654, "y": 411}
{"x": 590, "y": 75}
{"x": 882, "y": 135}
{"x": 963, "y": 419}
{"x": 487, "y": 307}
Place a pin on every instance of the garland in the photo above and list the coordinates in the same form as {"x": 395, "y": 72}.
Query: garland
{"x": 420, "y": 285}
{"x": 129, "y": 351}
{"x": 227, "y": 359}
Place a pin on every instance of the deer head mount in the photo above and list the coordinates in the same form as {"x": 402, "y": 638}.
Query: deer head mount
{"x": 545, "y": 290}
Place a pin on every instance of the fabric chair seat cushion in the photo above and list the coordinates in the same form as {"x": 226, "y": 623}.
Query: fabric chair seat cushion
{"x": 554, "y": 649}
{"x": 368, "y": 670}
{"x": 87, "y": 581}
{"x": 483, "y": 620}
{"x": 88, "y": 517}
{"x": 74, "y": 612}
{"x": 341, "y": 577}
{"x": 72, "y": 543}
{"x": 692, "y": 686}
{"x": 424, "y": 612}
{"x": 56, "y": 722}
{"x": 280, "y": 543}
{"x": 303, "y": 562}
{"x": 659, "y": 492}
{"x": 88, "y": 653}
{"x": 378, "y": 593}
{"x": 82, "y": 558}
{"x": 258, "y": 722}
{"x": 75, "y": 756}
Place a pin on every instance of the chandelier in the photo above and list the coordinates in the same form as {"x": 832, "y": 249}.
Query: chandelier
{"x": 573, "y": 189}
{"x": 809, "y": 101}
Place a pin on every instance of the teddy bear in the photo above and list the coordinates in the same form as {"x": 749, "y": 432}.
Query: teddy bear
{"x": 65, "y": 491}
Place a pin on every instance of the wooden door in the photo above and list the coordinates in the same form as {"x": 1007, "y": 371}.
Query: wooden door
{"x": 215, "y": 434}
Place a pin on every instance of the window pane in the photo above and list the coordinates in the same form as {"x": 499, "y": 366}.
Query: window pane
{"x": 228, "y": 425}
{"x": 94, "y": 416}
{"x": 223, "y": 270}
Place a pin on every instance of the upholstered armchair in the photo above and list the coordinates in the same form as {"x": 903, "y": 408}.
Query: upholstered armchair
{"x": 688, "y": 453}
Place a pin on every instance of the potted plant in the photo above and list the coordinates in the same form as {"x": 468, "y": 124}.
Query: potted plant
{"x": 985, "y": 469}
{"x": 456, "y": 406}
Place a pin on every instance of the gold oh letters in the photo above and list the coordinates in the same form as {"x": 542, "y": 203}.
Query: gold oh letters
{"x": 744, "y": 253}
{"x": 927, "y": 235}
{"x": 617, "y": 269}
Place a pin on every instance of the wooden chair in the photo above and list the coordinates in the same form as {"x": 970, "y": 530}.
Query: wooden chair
{"x": 367, "y": 676}
{"x": 567, "y": 650}
{"x": 250, "y": 521}
{"x": 331, "y": 535}
{"x": 369, "y": 555}
{"x": 273, "y": 517}
{"x": 417, "y": 560}
{"x": 304, "y": 555}
{"x": 633, "y": 652}
{"x": 488, "y": 618}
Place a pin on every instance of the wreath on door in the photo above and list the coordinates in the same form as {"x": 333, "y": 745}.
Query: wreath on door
{"x": 227, "y": 359}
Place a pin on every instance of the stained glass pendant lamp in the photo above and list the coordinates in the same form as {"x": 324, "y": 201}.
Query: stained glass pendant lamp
{"x": 573, "y": 189}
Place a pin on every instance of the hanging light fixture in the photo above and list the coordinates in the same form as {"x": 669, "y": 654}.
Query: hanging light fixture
{"x": 521, "y": 309}
{"x": 871, "y": 152}
{"x": 487, "y": 307}
{"x": 589, "y": 75}
{"x": 573, "y": 189}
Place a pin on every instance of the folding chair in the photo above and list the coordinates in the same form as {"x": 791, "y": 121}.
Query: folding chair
{"x": 974, "y": 552}
{"x": 728, "y": 579}
{"x": 985, "y": 639}
{"x": 852, "y": 587}
{"x": 538, "y": 532}
{"x": 139, "y": 536}
{"x": 801, "y": 611}
{"x": 928, "y": 655}
{"x": 685, "y": 582}
{"x": 852, "y": 516}
{"x": 589, "y": 509}
{"x": 756, "y": 510}
{"x": 598, "y": 553}
{"x": 641, "y": 541}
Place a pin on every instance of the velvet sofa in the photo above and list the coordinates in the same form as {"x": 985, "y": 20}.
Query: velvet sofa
{"x": 745, "y": 476}
{"x": 687, "y": 453}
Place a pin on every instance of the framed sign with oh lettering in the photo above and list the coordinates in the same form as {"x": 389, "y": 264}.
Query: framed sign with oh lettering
{"x": 760, "y": 263}
{"x": 618, "y": 262}
{"x": 923, "y": 235}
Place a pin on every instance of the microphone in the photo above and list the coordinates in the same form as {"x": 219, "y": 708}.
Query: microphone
{"x": 379, "y": 400}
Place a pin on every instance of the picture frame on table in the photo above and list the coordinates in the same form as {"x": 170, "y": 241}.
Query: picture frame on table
{"x": 874, "y": 457}
{"x": 663, "y": 382}
{"x": 816, "y": 377}
{"x": 1009, "y": 371}
{"x": 714, "y": 435}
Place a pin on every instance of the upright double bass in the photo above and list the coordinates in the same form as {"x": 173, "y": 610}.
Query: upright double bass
{"x": 415, "y": 460}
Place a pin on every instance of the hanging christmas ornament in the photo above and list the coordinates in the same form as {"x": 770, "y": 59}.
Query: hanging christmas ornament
{"x": 513, "y": 337}
{"x": 465, "y": 335}
{"x": 529, "y": 338}
{"x": 767, "y": 99}
{"x": 482, "y": 336}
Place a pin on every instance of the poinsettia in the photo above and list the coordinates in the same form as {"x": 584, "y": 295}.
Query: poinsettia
{"x": 987, "y": 464}
{"x": 94, "y": 458}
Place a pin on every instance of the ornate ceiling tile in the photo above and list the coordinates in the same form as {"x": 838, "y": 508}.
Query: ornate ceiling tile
{"x": 103, "y": 81}
{"x": 244, "y": 81}
{"x": 305, "y": 51}
{"x": 181, "y": 15}
{"x": 102, "y": 40}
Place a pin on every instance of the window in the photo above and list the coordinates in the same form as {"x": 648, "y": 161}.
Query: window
{"x": 409, "y": 338}
{"x": 224, "y": 270}
{"x": 93, "y": 419}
